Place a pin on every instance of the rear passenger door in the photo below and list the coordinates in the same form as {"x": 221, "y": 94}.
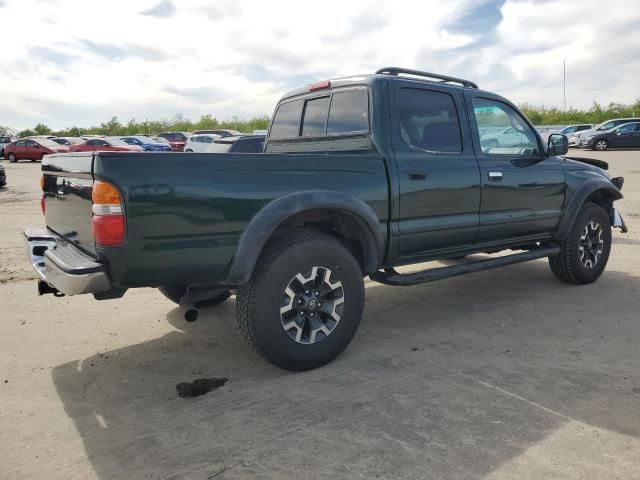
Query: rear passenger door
{"x": 438, "y": 172}
{"x": 522, "y": 190}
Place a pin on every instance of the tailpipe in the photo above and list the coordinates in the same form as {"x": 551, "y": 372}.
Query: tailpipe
{"x": 44, "y": 288}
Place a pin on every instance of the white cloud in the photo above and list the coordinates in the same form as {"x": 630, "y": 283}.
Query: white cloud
{"x": 79, "y": 65}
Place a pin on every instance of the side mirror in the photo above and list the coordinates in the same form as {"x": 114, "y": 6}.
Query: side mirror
{"x": 558, "y": 144}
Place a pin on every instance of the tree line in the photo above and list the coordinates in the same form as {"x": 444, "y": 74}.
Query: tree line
{"x": 538, "y": 115}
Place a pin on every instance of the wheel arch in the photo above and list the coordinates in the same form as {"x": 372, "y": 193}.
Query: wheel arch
{"x": 599, "y": 191}
{"x": 349, "y": 217}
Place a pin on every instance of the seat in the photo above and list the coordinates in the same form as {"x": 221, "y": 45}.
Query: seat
{"x": 441, "y": 137}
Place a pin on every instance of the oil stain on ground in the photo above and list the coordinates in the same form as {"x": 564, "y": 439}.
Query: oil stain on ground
{"x": 200, "y": 386}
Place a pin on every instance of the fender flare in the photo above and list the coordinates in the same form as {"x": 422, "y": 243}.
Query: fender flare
{"x": 577, "y": 200}
{"x": 269, "y": 217}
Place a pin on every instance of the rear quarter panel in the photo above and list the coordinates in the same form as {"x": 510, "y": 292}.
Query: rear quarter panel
{"x": 186, "y": 212}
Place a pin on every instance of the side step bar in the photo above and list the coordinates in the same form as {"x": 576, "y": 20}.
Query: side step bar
{"x": 391, "y": 277}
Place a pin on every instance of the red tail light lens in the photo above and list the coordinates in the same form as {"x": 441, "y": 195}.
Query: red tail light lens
{"x": 108, "y": 230}
{"x": 320, "y": 85}
{"x": 108, "y": 223}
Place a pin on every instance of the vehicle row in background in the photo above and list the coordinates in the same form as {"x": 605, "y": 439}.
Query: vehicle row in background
{"x": 576, "y": 139}
{"x": 626, "y": 135}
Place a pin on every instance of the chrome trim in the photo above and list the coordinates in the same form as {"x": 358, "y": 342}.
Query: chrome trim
{"x": 38, "y": 241}
{"x": 617, "y": 221}
{"x": 495, "y": 175}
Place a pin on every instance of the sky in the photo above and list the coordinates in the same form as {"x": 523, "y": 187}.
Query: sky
{"x": 80, "y": 62}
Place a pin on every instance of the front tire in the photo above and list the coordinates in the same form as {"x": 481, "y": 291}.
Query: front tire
{"x": 12, "y": 158}
{"x": 600, "y": 145}
{"x": 585, "y": 252}
{"x": 304, "y": 301}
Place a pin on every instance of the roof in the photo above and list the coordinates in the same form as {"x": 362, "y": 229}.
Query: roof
{"x": 390, "y": 73}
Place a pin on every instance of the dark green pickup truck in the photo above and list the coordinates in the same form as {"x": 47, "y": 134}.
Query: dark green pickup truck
{"x": 359, "y": 175}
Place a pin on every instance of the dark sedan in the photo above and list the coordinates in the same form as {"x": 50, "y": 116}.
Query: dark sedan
{"x": 241, "y": 144}
{"x": 147, "y": 144}
{"x": 3, "y": 177}
{"x": 624, "y": 136}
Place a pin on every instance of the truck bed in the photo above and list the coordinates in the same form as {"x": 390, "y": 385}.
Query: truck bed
{"x": 185, "y": 212}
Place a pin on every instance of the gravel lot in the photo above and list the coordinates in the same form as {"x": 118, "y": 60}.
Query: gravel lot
{"x": 505, "y": 374}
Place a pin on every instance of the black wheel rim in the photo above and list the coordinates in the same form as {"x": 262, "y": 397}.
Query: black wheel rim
{"x": 312, "y": 305}
{"x": 591, "y": 244}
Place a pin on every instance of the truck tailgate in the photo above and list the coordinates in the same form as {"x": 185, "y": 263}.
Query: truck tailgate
{"x": 68, "y": 179}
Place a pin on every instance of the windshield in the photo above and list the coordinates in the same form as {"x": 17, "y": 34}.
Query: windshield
{"x": 115, "y": 142}
{"x": 144, "y": 139}
{"x": 45, "y": 142}
{"x": 608, "y": 125}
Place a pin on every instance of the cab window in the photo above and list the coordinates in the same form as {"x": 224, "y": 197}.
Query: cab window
{"x": 502, "y": 130}
{"x": 428, "y": 120}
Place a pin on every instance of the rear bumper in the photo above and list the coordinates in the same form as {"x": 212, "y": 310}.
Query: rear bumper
{"x": 63, "y": 266}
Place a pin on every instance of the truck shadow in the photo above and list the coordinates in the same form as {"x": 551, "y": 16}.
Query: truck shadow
{"x": 460, "y": 377}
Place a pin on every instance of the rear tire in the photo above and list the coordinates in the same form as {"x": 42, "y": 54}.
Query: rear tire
{"x": 304, "y": 301}
{"x": 175, "y": 294}
{"x": 585, "y": 252}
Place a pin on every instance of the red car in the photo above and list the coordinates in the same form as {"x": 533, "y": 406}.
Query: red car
{"x": 104, "y": 144}
{"x": 32, "y": 149}
{"x": 177, "y": 140}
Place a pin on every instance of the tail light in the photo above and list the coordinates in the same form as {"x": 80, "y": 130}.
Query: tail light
{"x": 108, "y": 216}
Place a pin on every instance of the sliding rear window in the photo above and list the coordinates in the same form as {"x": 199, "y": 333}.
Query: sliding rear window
{"x": 342, "y": 112}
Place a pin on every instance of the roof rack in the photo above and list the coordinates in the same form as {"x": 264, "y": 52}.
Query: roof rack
{"x": 445, "y": 78}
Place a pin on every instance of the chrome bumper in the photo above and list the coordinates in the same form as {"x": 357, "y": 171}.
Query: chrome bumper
{"x": 63, "y": 266}
{"x": 617, "y": 221}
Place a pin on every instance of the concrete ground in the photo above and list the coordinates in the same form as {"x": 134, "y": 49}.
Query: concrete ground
{"x": 506, "y": 374}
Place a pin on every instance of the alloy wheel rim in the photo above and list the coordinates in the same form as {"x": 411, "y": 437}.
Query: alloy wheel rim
{"x": 591, "y": 244}
{"x": 312, "y": 305}
{"x": 601, "y": 145}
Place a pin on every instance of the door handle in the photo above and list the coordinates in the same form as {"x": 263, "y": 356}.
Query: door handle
{"x": 417, "y": 175}
{"x": 495, "y": 176}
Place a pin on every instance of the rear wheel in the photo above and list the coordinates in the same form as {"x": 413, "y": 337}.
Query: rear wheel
{"x": 12, "y": 158}
{"x": 175, "y": 294}
{"x": 304, "y": 301}
{"x": 585, "y": 252}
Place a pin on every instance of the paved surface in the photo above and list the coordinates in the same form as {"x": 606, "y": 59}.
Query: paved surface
{"x": 500, "y": 375}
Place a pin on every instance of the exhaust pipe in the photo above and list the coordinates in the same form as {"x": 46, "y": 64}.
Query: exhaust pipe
{"x": 44, "y": 288}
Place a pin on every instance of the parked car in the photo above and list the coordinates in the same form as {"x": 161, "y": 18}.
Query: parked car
{"x": 3, "y": 177}
{"x": 295, "y": 230}
{"x": 507, "y": 138}
{"x": 626, "y": 135}
{"x": 177, "y": 140}
{"x": 146, "y": 143}
{"x": 242, "y": 144}
{"x": 104, "y": 145}
{"x": 161, "y": 140}
{"x": 577, "y": 138}
{"x": 68, "y": 141}
{"x": 32, "y": 149}
{"x": 568, "y": 130}
{"x": 4, "y": 141}
{"x": 200, "y": 142}
{"x": 221, "y": 132}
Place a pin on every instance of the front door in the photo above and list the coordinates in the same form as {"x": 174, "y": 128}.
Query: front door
{"x": 625, "y": 136}
{"x": 522, "y": 190}
{"x": 438, "y": 173}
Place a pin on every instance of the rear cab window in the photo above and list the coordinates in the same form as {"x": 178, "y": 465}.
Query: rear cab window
{"x": 336, "y": 112}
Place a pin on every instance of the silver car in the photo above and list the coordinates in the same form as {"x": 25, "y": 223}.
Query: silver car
{"x": 4, "y": 140}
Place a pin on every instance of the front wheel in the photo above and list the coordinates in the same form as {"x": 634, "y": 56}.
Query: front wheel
{"x": 601, "y": 145}
{"x": 585, "y": 252}
{"x": 304, "y": 301}
{"x": 12, "y": 158}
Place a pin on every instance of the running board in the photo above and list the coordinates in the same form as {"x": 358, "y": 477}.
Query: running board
{"x": 391, "y": 277}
